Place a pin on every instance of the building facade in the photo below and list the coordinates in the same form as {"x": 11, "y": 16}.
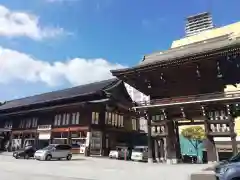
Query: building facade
{"x": 137, "y": 97}
{"x": 187, "y": 82}
{"x": 95, "y": 116}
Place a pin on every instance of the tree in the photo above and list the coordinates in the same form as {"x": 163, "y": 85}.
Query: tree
{"x": 195, "y": 135}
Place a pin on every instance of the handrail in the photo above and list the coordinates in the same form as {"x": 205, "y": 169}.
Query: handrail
{"x": 198, "y": 97}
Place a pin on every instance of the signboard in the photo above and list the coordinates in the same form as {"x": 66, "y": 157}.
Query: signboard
{"x": 44, "y": 136}
{"x": 88, "y": 139}
{"x": 44, "y": 127}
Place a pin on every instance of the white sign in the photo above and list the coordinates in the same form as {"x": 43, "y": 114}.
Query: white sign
{"x": 44, "y": 127}
{"x": 44, "y": 136}
{"x": 88, "y": 139}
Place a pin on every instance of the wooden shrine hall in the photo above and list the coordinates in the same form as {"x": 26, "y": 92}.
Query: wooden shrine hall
{"x": 187, "y": 83}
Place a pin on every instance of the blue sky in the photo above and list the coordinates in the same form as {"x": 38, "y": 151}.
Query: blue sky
{"x": 55, "y": 44}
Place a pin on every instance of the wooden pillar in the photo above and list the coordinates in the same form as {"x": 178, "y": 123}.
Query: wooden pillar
{"x": 210, "y": 144}
{"x": 88, "y": 144}
{"x": 161, "y": 149}
{"x": 233, "y": 135}
{"x": 36, "y": 143}
{"x": 171, "y": 143}
{"x": 150, "y": 152}
{"x": 10, "y": 140}
{"x": 178, "y": 147}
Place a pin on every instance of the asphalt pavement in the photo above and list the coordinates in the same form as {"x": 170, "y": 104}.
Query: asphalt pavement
{"x": 82, "y": 168}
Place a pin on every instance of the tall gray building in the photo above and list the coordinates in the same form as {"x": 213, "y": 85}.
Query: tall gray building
{"x": 197, "y": 23}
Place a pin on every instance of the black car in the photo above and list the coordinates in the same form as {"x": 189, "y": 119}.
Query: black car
{"x": 25, "y": 153}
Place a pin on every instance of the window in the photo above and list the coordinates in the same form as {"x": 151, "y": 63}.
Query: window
{"x": 113, "y": 119}
{"x": 77, "y": 118}
{"x": 22, "y": 123}
{"x": 67, "y": 118}
{"x": 116, "y": 120}
{"x": 122, "y": 122}
{"x": 73, "y": 118}
{"x": 64, "y": 119}
{"x": 55, "y": 120}
{"x": 119, "y": 121}
{"x": 109, "y": 118}
{"x": 106, "y": 117}
{"x": 95, "y": 117}
{"x": 134, "y": 124}
{"x": 34, "y": 122}
{"x": 59, "y": 120}
{"x": 28, "y": 123}
{"x": 8, "y": 124}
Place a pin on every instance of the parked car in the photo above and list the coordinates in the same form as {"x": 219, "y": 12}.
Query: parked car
{"x": 114, "y": 153}
{"x": 125, "y": 153}
{"x": 121, "y": 152}
{"x": 140, "y": 153}
{"x": 222, "y": 164}
{"x": 229, "y": 172}
{"x": 25, "y": 153}
{"x": 54, "y": 151}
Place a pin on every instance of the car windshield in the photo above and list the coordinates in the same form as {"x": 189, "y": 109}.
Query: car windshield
{"x": 49, "y": 147}
{"x": 138, "y": 150}
{"x": 28, "y": 147}
{"x": 235, "y": 158}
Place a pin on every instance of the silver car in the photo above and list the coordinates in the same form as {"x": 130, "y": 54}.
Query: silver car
{"x": 54, "y": 151}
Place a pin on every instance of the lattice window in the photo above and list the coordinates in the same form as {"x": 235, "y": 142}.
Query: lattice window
{"x": 77, "y": 118}
{"x": 95, "y": 117}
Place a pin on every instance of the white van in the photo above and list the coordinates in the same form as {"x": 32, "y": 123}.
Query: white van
{"x": 140, "y": 153}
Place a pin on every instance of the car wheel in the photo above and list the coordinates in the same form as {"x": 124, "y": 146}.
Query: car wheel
{"x": 48, "y": 157}
{"x": 26, "y": 156}
{"x": 69, "y": 157}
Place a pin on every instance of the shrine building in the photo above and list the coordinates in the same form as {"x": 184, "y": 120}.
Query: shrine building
{"x": 187, "y": 86}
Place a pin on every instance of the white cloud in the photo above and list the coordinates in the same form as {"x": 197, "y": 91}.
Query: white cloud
{"x": 17, "y": 66}
{"x": 16, "y": 23}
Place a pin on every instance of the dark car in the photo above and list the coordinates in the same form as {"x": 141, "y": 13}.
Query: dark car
{"x": 233, "y": 159}
{"x": 26, "y": 153}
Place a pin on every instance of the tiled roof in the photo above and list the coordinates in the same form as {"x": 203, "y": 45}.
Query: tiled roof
{"x": 78, "y": 91}
{"x": 185, "y": 51}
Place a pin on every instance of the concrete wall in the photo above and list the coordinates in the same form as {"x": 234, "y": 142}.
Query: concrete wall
{"x": 208, "y": 34}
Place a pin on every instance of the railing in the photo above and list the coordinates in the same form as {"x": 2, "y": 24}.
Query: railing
{"x": 193, "y": 98}
{"x": 44, "y": 127}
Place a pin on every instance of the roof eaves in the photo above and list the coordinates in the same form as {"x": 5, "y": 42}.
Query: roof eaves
{"x": 164, "y": 62}
{"x": 44, "y": 102}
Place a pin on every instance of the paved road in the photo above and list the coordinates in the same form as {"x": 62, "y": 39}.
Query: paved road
{"x": 81, "y": 168}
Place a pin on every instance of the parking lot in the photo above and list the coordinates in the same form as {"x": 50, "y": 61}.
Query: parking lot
{"x": 83, "y": 168}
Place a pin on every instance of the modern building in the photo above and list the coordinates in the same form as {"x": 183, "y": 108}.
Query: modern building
{"x": 97, "y": 116}
{"x": 198, "y": 23}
